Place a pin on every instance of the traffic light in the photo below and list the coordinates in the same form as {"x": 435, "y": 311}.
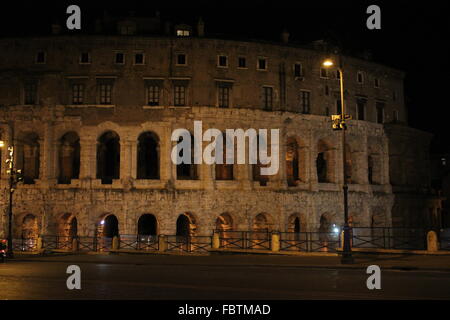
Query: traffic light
{"x": 336, "y": 122}
{"x": 19, "y": 175}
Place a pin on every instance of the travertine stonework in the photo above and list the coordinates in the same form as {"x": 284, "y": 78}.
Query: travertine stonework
{"x": 399, "y": 153}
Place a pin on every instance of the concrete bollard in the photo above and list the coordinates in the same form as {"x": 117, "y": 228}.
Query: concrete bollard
{"x": 74, "y": 244}
{"x": 275, "y": 247}
{"x": 162, "y": 245}
{"x": 215, "y": 241}
{"x": 432, "y": 241}
{"x": 115, "y": 243}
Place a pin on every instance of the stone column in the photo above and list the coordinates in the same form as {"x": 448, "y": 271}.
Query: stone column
{"x": 88, "y": 157}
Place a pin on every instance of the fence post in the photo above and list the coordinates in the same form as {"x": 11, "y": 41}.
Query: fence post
{"x": 74, "y": 244}
{"x": 432, "y": 242}
{"x": 275, "y": 246}
{"x": 216, "y": 241}
{"x": 162, "y": 246}
{"x": 115, "y": 243}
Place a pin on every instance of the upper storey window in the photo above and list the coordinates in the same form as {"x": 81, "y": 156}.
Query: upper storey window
{"x": 376, "y": 82}
{"x": 324, "y": 73}
{"x": 222, "y": 61}
{"x": 361, "y": 108}
{"x": 380, "y": 111}
{"x": 105, "y": 91}
{"x": 181, "y": 59}
{"x": 77, "y": 93}
{"x": 41, "y": 57}
{"x": 30, "y": 92}
{"x": 85, "y": 58}
{"x": 180, "y": 95}
{"x": 242, "y": 63}
{"x": 298, "y": 71}
{"x": 183, "y": 33}
{"x": 139, "y": 58}
{"x": 305, "y": 101}
{"x": 268, "y": 98}
{"x": 120, "y": 58}
{"x": 261, "y": 64}
{"x": 360, "y": 77}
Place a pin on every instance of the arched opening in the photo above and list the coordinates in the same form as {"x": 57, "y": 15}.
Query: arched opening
{"x": 108, "y": 157}
{"x": 67, "y": 226}
{"x": 148, "y": 156}
{"x": 260, "y": 223}
{"x": 187, "y": 171}
{"x": 224, "y": 223}
{"x": 28, "y": 157}
{"x": 147, "y": 225}
{"x": 184, "y": 228}
{"x": 69, "y": 158}
{"x": 325, "y": 224}
{"x": 30, "y": 228}
{"x": 324, "y": 163}
{"x": 109, "y": 227}
{"x": 224, "y": 171}
{"x": 292, "y": 162}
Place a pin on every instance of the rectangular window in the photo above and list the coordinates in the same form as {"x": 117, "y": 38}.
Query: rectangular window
{"x": 298, "y": 72}
{"x": 222, "y": 61}
{"x": 395, "y": 116}
{"x": 181, "y": 59}
{"x": 361, "y": 107}
{"x": 139, "y": 58}
{"x": 85, "y": 57}
{"x": 380, "y": 112}
{"x": 242, "y": 62}
{"x": 120, "y": 58}
{"x": 262, "y": 64}
{"x": 376, "y": 82}
{"x": 105, "y": 93}
{"x": 224, "y": 96}
{"x": 41, "y": 57}
{"x": 30, "y": 93}
{"x": 267, "y": 98}
{"x": 324, "y": 73}
{"x": 360, "y": 77}
{"x": 77, "y": 93}
{"x": 153, "y": 92}
{"x": 180, "y": 95}
{"x": 305, "y": 101}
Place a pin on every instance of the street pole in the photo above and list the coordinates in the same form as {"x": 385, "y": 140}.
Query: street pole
{"x": 347, "y": 257}
{"x": 10, "y": 253}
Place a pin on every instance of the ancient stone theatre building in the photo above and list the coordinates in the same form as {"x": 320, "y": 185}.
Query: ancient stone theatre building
{"x": 92, "y": 117}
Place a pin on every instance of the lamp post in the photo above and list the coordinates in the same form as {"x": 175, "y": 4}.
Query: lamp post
{"x": 339, "y": 123}
{"x": 15, "y": 176}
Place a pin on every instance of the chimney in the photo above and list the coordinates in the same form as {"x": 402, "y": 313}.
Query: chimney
{"x": 285, "y": 36}
{"x": 56, "y": 28}
{"x": 200, "y": 28}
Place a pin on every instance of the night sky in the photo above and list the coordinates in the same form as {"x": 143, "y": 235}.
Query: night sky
{"x": 413, "y": 37}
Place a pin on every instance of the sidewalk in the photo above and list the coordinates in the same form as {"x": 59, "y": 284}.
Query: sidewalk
{"x": 362, "y": 261}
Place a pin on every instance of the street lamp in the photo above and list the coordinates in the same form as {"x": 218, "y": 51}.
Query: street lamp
{"x": 15, "y": 176}
{"x": 338, "y": 123}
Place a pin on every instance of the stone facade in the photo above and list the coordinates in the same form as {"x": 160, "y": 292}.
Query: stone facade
{"x": 91, "y": 85}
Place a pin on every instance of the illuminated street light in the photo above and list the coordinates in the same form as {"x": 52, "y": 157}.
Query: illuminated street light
{"x": 338, "y": 123}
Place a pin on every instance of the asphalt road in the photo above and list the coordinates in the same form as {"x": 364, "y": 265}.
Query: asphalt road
{"x": 222, "y": 277}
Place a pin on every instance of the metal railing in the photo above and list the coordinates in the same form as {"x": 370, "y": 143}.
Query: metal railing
{"x": 231, "y": 239}
{"x": 310, "y": 241}
{"x": 25, "y": 244}
{"x": 444, "y": 239}
{"x": 87, "y": 243}
{"x": 188, "y": 244}
{"x": 50, "y": 242}
{"x": 139, "y": 242}
{"x": 389, "y": 238}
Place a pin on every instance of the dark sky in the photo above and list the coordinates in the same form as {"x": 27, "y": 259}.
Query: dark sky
{"x": 413, "y": 35}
